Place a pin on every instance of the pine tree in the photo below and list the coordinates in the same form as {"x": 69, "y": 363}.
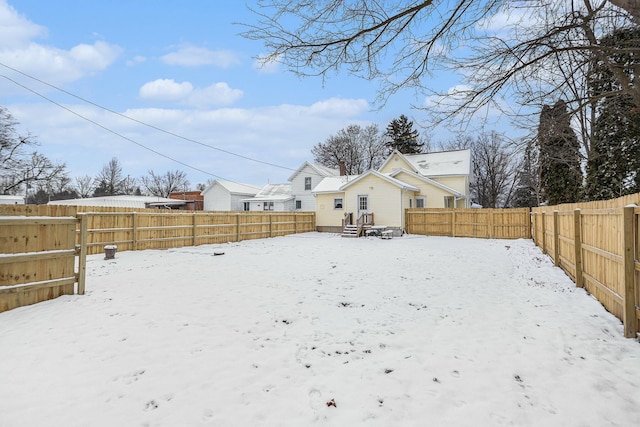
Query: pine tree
{"x": 614, "y": 158}
{"x": 403, "y": 137}
{"x": 560, "y": 172}
{"x": 528, "y": 185}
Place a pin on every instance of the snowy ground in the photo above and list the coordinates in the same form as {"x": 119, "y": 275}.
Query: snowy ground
{"x": 413, "y": 331}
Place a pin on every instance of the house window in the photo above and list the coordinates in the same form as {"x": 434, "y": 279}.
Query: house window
{"x": 268, "y": 206}
{"x": 307, "y": 183}
{"x": 245, "y": 206}
{"x": 337, "y": 203}
{"x": 298, "y": 204}
{"x": 420, "y": 202}
{"x": 448, "y": 202}
{"x": 363, "y": 203}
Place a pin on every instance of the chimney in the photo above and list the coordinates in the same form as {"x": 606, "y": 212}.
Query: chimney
{"x": 343, "y": 168}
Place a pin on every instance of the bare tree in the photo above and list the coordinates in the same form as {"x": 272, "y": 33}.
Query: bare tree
{"x": 21, "y": 168}
{"x": 84, "y": 186}
{"x": 525, "y": 59}
{"x": 163, "y": 185}
{"x": 357, "y": 148}
{"x": 109, "y": 181}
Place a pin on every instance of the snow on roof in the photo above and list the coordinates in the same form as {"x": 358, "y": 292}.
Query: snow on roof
{"x": 10, "y": 200}
{"x": 274, "y": 192}
{"x": 321, "y": 170}
{"x": 385, "y": 177}
{"x": 235, "y": 187}
{"x": 425, "y": 179}
{"x": 457, "y": 162}
{"x": 118, "y": 201}
{"x": 332, "y": 184}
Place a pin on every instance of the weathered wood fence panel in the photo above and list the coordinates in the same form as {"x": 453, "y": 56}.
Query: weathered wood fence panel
{"x": 37, "y": 260}
{"x": 598, "y": 248}
{"x": 483, "y": 223}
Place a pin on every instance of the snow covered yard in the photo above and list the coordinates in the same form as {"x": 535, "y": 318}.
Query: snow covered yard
{"x": 413, "y": 331}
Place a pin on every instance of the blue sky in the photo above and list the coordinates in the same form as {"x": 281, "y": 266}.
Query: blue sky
{"x": 182, "y": 67}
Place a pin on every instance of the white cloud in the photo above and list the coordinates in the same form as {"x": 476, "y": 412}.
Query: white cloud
{"x": 193, "y": 56}
{"x": 16, "y": 30}
{"x": 138, "y": 59}
{"x": 46, "y": 62}
{"x": 266, "y": 66}
{"x": 186, "y": 94}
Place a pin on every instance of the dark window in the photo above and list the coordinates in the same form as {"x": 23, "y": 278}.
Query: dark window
{"x": 307, "y": 183}
{"x": 298, "y": 204}
{"x": 268, "y": 206}
{"x": 337, "y": 203}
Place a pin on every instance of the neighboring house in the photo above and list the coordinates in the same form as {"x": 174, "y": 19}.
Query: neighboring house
{"x": 433, "y": 180}
{"x": 273, "y": 197}
{"x": 11, "y": 200}
{"x": 124, "y": 202}
{"x": 222, "y": 195}
{"x": 304, "y": 180}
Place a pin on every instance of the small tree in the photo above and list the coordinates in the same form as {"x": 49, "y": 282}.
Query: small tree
{"x": 110, "y": 181}
{"x": 403, "y": 137}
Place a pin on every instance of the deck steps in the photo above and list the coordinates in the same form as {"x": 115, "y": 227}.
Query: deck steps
{"x": 350, "y": 230}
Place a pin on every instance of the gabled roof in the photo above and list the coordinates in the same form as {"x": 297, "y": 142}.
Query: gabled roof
{"x": 234, "y": 187}
{"x": 332, "y": 184}
{"x": 318, "y": 169}
{"x": 443, "y": 163}
{"x": 396, "y": 182}
{"x": 427, "y": 180}
{"x": 274, "y": 192}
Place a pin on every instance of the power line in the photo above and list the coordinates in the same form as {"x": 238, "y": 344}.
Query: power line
{"x": 133, "y": 119}
{"x": 109, "y": 130}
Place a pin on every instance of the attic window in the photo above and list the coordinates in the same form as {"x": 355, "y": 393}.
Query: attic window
{"x": 307, "y": 183}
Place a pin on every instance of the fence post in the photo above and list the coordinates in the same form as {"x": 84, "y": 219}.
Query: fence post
{"x": 629, "y": 256}
{"x": 82, "y": 261}
{"x": 134, "y": 237}
{"x": 295, "y": 223}
{"x": 544, "y": 232}
{"x": 195, "y": 228}
{"x": 238, "y": 227}
{"x": 527, "y": 221}
{"x": 556, "y": 240}
{"x": 453, "y": 222}
{"x": 270, "y": 225}
{"x": 491, "y": 223}
{"x": 577, "y": 245}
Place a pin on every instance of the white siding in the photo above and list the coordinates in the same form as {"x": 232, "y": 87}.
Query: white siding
{"x": 217, "y": 198}
{"x": 298, "y": 191}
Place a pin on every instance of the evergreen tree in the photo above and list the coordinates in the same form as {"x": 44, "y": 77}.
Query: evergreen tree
{"x": 614, "y": 158}
{"x": 403, "y": 137}
{"x": 527, "y": 192}
{"x": 560, "y": 172}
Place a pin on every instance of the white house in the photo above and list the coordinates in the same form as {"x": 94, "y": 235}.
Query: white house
{"x": 222, "y": 195}
{"x": 304, "y": 180}
{"x": 433, "y": 180}
{"x": 273, "y": 197}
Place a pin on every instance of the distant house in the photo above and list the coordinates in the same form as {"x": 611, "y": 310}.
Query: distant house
{"x": 433, "y": 180}
{"x": 273, "y": 197}
{"x": 194, "y": 201}
{"x": 304, "y": 180}
{"x": 124, "y": 202}
{"x": 11, "y": 200}
{"x": 222, "y": 195}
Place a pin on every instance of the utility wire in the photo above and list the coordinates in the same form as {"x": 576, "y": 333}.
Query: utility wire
{"x": 109, "y": 130}
{"x": 134, "y": 120}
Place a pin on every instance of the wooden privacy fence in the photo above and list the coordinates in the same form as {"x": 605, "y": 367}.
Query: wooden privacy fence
{"x": 598, "y": 248}
{"x": 38, "y": 259}
{"x": 132, "y": 231}
{"x": 483, "y": 223}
